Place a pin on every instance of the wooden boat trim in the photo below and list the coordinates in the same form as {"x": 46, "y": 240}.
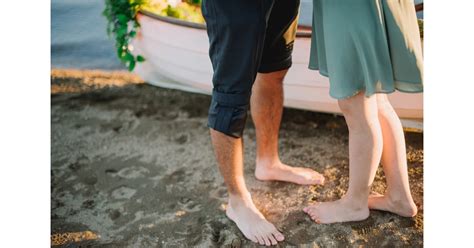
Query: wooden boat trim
{"x": 419, "y": 7}
{"x": 303, "y": 31}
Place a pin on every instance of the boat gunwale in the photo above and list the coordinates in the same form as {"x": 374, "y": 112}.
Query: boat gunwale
{"x": 303, "y": 31}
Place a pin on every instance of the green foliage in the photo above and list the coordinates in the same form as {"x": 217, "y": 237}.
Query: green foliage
{"x": 172, "y": 12}
{"x": 123, "y": 24}
{"x": 420, "y": 25}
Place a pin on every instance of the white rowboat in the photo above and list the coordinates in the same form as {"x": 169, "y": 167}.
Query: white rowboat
{"x": 177, "y": 57}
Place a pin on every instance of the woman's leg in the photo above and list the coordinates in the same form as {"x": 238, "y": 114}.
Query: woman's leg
{"x": 365, "y": 150}
{"x": 398, "y": 198}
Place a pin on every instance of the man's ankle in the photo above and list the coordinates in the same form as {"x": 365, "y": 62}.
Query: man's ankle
{"x": 266, "y": 162}
{"x": 240, "y": 197}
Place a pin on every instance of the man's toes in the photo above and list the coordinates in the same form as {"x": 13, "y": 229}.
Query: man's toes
{"x": 278, "y": 236}
{"x": 272, "y": 239}
{"x": 253, "y": 238}
{"x": 267, "y": 240}
{"x": 321, "y": 179}
{"x": 261, "y": 241}
{"x": 263, "y": 236}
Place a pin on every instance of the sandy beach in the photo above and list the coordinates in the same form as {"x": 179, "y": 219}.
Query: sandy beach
{"x": 132, "y": 166}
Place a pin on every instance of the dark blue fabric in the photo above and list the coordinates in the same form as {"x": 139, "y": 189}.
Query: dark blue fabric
{"x": 245, "y": 37}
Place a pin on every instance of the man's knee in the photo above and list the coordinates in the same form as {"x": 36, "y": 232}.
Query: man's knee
{"x": 273, "y": 77}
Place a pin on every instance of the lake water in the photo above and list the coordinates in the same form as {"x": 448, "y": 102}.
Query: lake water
{"x": 78, "y": 36}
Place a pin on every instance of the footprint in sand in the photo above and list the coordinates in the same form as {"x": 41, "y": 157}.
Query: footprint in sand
{"x": 213, "y": 231}
{"x": 219, "y": 193}
{"x": 123, "y": 192}
{"x": 80, "y": 163}
{"x": 133, "y": 172}
{"x": 183, "y": 138}
{"x": 189, "y": 205}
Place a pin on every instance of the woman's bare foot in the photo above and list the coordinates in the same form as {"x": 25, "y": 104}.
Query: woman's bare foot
{"x": 251, "y": 222}
{"x": 282, "y": 172}
{"x": 342, "y": 210}
{"x": 405, "y": 208}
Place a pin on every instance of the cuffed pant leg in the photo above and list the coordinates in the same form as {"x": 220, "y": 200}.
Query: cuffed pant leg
{"x": 236, "y": 31}
{"x": 228, "y": 113}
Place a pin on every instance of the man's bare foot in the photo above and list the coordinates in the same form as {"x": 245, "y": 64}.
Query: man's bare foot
{"x": 251, "y": 222}
{"x": 282, "y": 172}
{"x": 342, "y": 210}
{"x": 405, "y": 208}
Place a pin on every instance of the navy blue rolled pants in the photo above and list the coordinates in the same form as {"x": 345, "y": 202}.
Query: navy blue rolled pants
{"x": 246, "y": 37}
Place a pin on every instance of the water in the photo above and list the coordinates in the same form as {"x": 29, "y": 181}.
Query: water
{"x": 79, "y": 37}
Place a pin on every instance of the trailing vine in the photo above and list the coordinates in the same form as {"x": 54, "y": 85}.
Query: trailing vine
{"x": 123, "y": 24}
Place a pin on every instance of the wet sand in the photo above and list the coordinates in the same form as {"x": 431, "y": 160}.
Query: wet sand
{"x": 132, "y": 166}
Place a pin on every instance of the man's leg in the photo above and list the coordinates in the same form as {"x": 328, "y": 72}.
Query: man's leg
{"x": 266, "y": 108}
{"x": 236, "y": 36}
{"x": 241, "y": 209}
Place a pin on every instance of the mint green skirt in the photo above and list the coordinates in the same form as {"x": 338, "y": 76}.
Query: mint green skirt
{"x": 367, "y": 45}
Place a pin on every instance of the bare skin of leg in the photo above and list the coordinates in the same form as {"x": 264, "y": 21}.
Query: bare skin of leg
{"x": 397, "y": 198}
{"x": 266, "y": 108}
{"x": 241, "y": 209}
{"x": 365, "y": 150}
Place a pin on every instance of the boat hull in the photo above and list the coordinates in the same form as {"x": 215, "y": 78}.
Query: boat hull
{"x": 177, "y": 57}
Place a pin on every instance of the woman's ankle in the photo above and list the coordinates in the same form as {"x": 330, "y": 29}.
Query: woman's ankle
{"x": 357, "y": 200}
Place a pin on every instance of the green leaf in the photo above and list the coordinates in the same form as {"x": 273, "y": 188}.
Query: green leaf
{"x": 119, "y": 13}
{"x": 120, "y": 52}
{"x": 140, "y": 58}
{"x": 129, "y": 57}
{"x": 122, "y": 31}
{"x": 123, "y": 19}
{"x": 131, "y": 65}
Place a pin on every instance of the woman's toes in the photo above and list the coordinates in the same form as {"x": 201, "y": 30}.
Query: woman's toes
{"x": 315, "y": 218}
{"x": 311, "y": 211}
